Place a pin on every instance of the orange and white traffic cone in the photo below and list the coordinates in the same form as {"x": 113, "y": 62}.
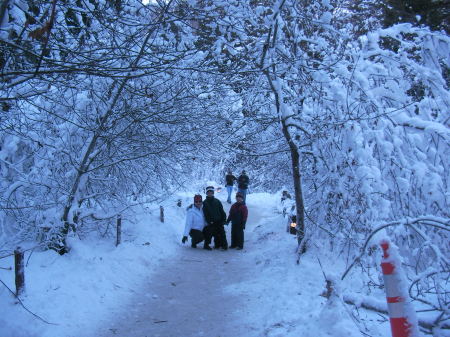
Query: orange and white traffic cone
{"x": 401, "y": 313}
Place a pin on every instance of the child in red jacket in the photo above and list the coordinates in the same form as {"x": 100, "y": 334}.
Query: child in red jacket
{"x": 238, "y": 217}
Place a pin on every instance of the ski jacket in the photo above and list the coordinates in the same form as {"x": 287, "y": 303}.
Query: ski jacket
{"x": 243, "y": 181}
{"x": 230, "y": 179}
{"x": 238, "y": 214}
{"x": 213, "y": 210}
{"x": 195, "y": 219}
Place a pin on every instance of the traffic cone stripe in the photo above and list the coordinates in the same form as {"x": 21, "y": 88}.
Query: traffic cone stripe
{"x": 396, "y": 299}
{"x": 400, "y": 327}
{"x": 385, "y": 246}
{"x": 388, "y": 268}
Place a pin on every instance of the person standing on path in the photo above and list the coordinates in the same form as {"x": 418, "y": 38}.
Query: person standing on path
{"x": 243, "y": 182}
{"x": 230, "y": 178}
{"x": 215, "y": 218}
{"x": 238, "y": 217}
{"x": 196, "y": 224}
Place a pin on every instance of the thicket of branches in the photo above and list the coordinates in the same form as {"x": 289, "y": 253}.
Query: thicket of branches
{"x": 107, "y": 104}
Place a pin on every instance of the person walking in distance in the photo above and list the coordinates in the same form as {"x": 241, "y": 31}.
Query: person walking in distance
{"x": 229, "y": 178}
{"x": 215, "y": 218}
{"x": 238, "y": 217}
{"x": 195, "y": 225}
{"x": 243, "y": 182}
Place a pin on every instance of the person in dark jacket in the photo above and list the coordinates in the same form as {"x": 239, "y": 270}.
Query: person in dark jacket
{"x": 215, "y": 218}
{"x": 229, "y": 178}
{"x": 238, "y": 217}
{"x": 243, "y": 182}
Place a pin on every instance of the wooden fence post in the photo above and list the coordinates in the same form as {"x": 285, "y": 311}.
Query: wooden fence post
{"x": 161, "y": 213}
{"x": 119, "y": 230}
{"x": 19, "y": 271}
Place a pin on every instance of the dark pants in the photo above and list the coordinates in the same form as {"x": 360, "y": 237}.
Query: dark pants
{"x": 196, "y": 236}
{"x": 237, "y": 235}
{"x": 218, "y": 232}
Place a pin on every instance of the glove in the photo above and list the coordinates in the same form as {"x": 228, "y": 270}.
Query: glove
{"x": 184, "y": 239}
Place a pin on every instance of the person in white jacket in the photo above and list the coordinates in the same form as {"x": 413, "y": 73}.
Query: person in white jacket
{"x": 196, "y": 226}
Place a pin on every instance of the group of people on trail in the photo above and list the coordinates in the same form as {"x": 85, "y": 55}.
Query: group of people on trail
{"x": 205, "y": 219}
{"x": 243, "y": 182}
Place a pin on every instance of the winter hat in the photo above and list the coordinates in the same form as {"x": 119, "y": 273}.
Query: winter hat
{"x": 210, "y": 188}
{"x": 239, "y": 195}
{"x": 197, "y": 197}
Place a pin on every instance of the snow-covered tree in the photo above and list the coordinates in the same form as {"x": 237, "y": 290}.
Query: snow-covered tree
{"x": 110, "y": 121}
{"x": 363, "y": 112}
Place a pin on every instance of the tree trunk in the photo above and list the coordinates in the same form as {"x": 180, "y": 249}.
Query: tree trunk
{"x": 296, "y": 174}
{"x": 61, "y": 247}
{"x": 298, "y": 191}
{"x": 295, "y": 154}
{"x": 19, "y": 271}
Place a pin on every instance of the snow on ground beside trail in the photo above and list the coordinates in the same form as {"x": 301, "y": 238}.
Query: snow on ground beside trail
{"x": 291, "y": 304}
{"x": 76, "y": 290}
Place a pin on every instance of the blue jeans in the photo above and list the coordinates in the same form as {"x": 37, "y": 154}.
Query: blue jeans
{"x": 244, "y": 192}
{"x": 229, "y": 190}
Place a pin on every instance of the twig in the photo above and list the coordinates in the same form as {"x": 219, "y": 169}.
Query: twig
{"x": 368, "y": 306}
{"x": 321, "y": 268}
{"x": 4, "y": 257}
{"x": 29, "y": 257}
{"x": 26, "y": 250}
{"x": 49, "y": 29}
{"x": 321, "y": 227}
{"x": 21, "y": 303}
{"x": 407, "y": 222}
{"x": 354, "y": 319}
{"x": 363, "y": 250}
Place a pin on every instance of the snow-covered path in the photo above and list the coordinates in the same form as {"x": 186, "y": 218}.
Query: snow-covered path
{"x": 152, "y": 285}
{"x": 188, "y": 297}
{"x": 185, "y": 298}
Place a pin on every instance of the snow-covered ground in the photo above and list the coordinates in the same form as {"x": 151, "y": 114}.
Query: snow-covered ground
{"x": 153, "y": 285}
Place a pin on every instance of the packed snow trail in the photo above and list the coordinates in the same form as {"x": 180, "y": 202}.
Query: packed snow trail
{"x": 152, "y": 285}
{"x": 186, "y": 296}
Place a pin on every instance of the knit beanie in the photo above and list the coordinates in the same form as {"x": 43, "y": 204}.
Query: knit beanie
{"x": 197, "y": 197}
